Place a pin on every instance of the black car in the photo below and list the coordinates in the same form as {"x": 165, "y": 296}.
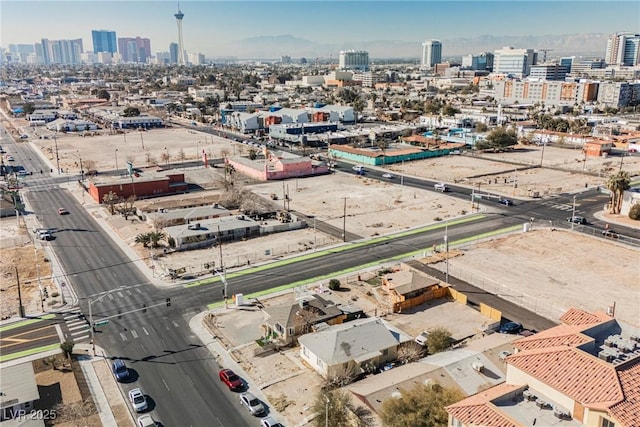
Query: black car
{"x": 505, "y": 202}
{"x": 511, "y": 328}
{"x": 610, "y": 233}
{"x": 577, "y": 220}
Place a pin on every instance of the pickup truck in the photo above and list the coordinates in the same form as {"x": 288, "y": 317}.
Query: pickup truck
{"x": 441, "y": 187}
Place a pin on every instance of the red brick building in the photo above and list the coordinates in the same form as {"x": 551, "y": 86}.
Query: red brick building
{"x": 141, "y": 186}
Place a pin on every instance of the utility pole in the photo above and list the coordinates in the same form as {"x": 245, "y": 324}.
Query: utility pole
{"x": 573, "y": 213}
{"x": 55, "y": 141}
{"x": 446, "y": 248}
{"x": 141, "y": 140}
{"x": 344, "y": 221}
{"x": 20, "y": 306}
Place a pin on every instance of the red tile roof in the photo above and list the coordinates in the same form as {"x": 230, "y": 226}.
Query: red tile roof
{"x": 573, "y": 372}
{"x": 627, "y": 412}
{"x": 558, "y": 336}
{"x": 478, "y": 409}
{"x": 575, "y": 316}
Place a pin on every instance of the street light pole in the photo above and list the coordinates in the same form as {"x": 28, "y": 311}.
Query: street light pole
{"x": 55, "y": 141}
{"x": 573, "y": 213}
{"x": 326, "y": 411}
{"x": 446, "y": 248}
{"x": 116, "y": 153}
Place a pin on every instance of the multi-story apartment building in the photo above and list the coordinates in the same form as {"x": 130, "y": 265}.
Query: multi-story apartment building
{"x": 104, "y": 41}
{"x": 583, "y": 372}
{"x": 548, "y": 72}
{"x": 59, "y": 51}
{"x": 431, "y": 54}
{"x": 136, "y": 49}
{"x": 619, "y": 94}
{"x": 173, "y": 52}
{"x": 515, "y": 62}
{"x": 579, "y": 68}
{"x": 623, "y": 49}
{"x": 368, "y": 78}
{"x": 550, "y": 93}
{"x": 354, "y": 60}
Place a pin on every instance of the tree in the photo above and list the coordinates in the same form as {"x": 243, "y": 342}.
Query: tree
{"x": 498, "y": 139}
{"x": 481, "y": 127}
{"x": 155, "y": 237}
{"x": 29, "y": 107}
{"x": 634, "y": 212}
{"x": 126, "y": 206}
{"x": 439, "y": 339}
{"x": 335, "y": 408}
{"x": 103, "y": 94}
{"x": 334, "y": 284}
{"x": 131, "y": 112}
{"x": 252, "y": 154}
{"x": 111, "y": 199}
{"x": 67, "y": 348}
{"x": 617, "y": 184}
{"x": 421, "y": 406}
{"x": 143, "y": 238}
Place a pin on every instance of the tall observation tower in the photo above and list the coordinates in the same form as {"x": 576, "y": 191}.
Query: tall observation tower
{"x": 179, "y": 17}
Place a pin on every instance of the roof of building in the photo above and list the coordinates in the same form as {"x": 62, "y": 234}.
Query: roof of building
{"x": 214, "y": 210}
{"x": 575, "y": 316}
{"x": 361, "y": 338}
{"x": 18, "y": 385}
{"x": 317, "y": 310}
{"x": 211, "y": 226}
{"x": 404, "y": 282}
{"x": 478, "y": 409}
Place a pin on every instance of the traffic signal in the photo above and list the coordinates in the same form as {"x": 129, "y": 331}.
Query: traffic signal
{"x": 168, "y": 302}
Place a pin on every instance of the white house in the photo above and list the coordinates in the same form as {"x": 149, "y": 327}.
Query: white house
{"x": 353, "y": 347}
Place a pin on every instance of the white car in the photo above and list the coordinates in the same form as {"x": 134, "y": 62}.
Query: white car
{"x": 441, "y": 187}
{"x": 422, "y": 338}
{"x": 252, "y": 403}
{"x": 269, "y": 422}
{"x": 146, "y": 421}
{"x": 387, "y": 175}
{"x": 137, "y": 399}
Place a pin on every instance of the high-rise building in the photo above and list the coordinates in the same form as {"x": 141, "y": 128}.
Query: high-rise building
{"x": 134, "y": 49}
{"x": 104, "y": 41}
{"x": 59, "y": 51}
{"x": 548, "y": 72}
{"x": 173, "y": 51}
{"x": 431, "y": 54}
{"x": 567, "y": 62}
{"x": 179, "y": 17}
{"x": 623, "y": 49}
{"x": 515, "y": 62}
{"x": 354, "y": 60}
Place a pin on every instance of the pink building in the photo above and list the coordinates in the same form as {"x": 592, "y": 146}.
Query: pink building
{"x": 277, "y": 165}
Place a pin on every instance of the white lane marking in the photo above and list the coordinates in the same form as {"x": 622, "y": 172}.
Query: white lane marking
{"x": 175, "y": 324}
{"x": 165, "y": 384}
{"x": 73, "y": 328}
{"x": 120, "y": 294}
{"x": 134, "y": 333}
{"x": 128, "y": 292}
{"x": 145, "y": 331}
{"x": 123, "y": 336}
{"x": 110, "y": 296}
{"x": 84, "y": 337}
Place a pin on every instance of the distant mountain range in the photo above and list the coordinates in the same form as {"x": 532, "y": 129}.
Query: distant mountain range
{"x": 273, "y": 47}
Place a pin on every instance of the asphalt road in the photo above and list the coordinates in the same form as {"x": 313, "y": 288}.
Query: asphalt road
{"x": 41, "y": 333}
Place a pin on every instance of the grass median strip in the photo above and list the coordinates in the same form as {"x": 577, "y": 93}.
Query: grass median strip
{"x": 11, "y": 356}
{"x": 339, "y": 249}
{"x": 27, "y": 322}
{"x": 365, "y": 266}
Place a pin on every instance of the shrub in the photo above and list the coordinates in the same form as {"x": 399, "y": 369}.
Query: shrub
{"x": 54, "y": 295}
{"x": 634, "y": 212}
{"x": 334, "y": 284}
{"x": 439, "y": 339}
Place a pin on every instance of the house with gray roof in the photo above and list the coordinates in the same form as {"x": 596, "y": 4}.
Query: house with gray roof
{"x": 18, "y": 392}
{"x": 166, "y": 218}
{"x": 354, "y": 347}
{"x": 206, "y": 233}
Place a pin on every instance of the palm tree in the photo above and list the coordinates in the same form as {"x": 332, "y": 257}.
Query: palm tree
{"x": 617, "y": 184}
{"x": 144, "y": 238}
{"x": 155, "y": 237}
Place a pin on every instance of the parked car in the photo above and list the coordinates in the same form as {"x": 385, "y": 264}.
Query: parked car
{"x": 137, "y": 399}
{"x": 269, "y": 422}
{"x": 252, "y": 403}
{"x": 577, "y": 220}
{"x": 23, "y": 172}
{"x": 10, "y": 158}
{"x": 511, "y": 328}
{"x": 230, "y": 378}
{"x": 45, "y": 236}
{"x": 610, "y": 233}
{"x": 441, "y": 187}
{"x": 62, "y": 211}
{"x": 24, "y": 136}
{"x": 146, "y": 421}
{"x": 503, "y": 355}
{"x": 506, "y": 202}
{"x": 422, "y": 338}
{"x": 120, "y": 370}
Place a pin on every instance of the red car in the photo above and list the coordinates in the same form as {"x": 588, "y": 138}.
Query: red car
{"x": 232, "y": 381}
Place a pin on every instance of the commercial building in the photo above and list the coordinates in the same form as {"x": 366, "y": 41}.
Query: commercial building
{"x": 548, "y": 72}
{"x": 134, "y": 49}
{"x": 483, "y": 61}
{"x": 623, "y": 49}
{"x": 431, "y": 54}
{"x": 59, "y": 51}
{"x": 619, "y": 94}
{"x": 581, "y": 68}
{"x": 145, "y": 185}
{"x": 173, "y": 52}
{"x": 515, "y": 62}
{"x": 354, "y": 60}
{"x": 104, "y": 41}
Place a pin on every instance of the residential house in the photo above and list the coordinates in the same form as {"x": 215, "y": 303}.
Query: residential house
{"x": 19, "y": 393}
{"x": 585, "y": 372}
{"x": 290, "y": 320}
{"x": 354, "y": 347}
{"x": 166, "y": 218}
{"x": 208, "y": 232}
{"x": 408, "y": 288}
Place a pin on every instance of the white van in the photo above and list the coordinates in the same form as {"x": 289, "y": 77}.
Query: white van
{"x": 441, "y": 187}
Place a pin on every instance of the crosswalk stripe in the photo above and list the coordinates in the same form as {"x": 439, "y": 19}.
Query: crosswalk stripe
{"x": 84, "y": 337}
{"x": 123, "y": 336}
{"x": 84, "y": 331}
{"x": 134, "y": 333}
{"x": 76, "y": 327}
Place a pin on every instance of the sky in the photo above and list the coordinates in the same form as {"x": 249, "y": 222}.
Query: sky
{"x": 211, "y": 27}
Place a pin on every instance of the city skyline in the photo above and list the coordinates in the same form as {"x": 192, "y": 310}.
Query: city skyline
{"x": 219, "y": 28}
